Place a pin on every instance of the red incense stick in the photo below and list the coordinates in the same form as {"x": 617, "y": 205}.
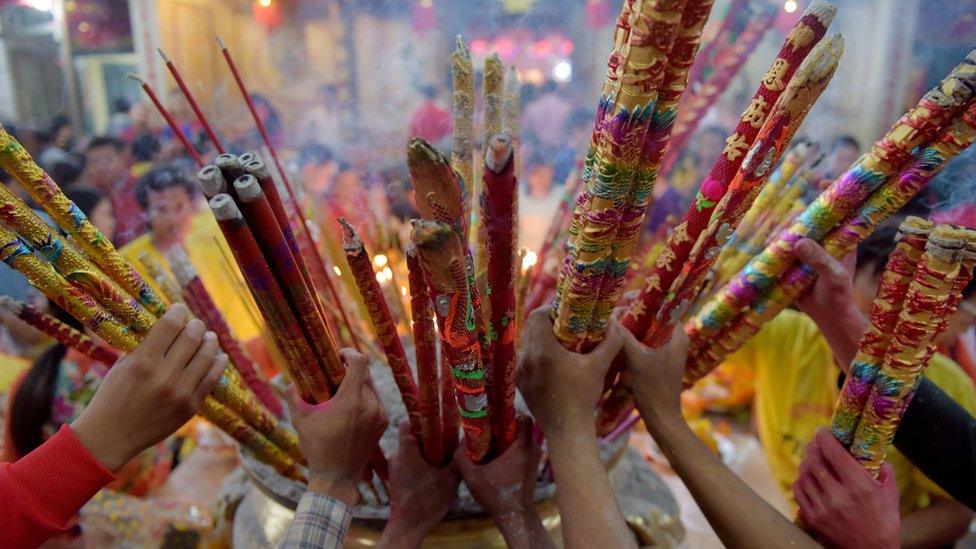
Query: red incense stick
{"x": 425, "y": 352}
{"x": 192, "y": 101}
{"x": 170, "y": 121}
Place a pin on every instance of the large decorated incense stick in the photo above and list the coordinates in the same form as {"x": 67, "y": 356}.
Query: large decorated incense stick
{"x": 68, "y": 261}
{"x": 425, "y": 352}
{"x": 264, "y": 226}
{"x": 798, "y": 44}
{"x": 925, "y": 303}
{"x": 884, "y": 202}
{"x": 635, "y": 70}
{"x": 462, "y": 138}
{"x": 300, "y": 362}
{"x": 232, "y": 424}
{"x": 167, "y": 286}
{"x": 889, "y": 155}
{"x": 493, "y": 89}
{"x": 202, "y": 305}
{"x": 174, "y": 126}
{"x": 450, "y": 417}
{"x": 783, "y": 120}
{"x": 45, "y": 192}
{"x": 361, "y": 265}
{"x": 728, "y": 63}
{"x": 447, "y": 267}
{"x": 193, "y": 102}
{"x": 895, "y": 280}
{"x": 58, "y": 330}
{"x": 499, "y": 201}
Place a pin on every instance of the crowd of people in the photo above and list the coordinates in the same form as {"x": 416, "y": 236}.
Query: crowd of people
{"x": 75, "y": 427}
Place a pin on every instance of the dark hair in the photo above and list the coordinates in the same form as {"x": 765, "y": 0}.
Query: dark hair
{"x": 159, "y": 179}
{"x": 549, "y": 86}
{"x": 873, "y": 252}
{"x": 315, "y": 153}
{"x": 105, "y": 141}
{"x": 66, "y": 172}
{"x": 144, "y": 147}
{"x": 844, "y": 140}
{"x": 121, "y": 105}
{"x": 55, "y": 126}
{"x": 30, "y": 407}
{"x": 86, "y": 198}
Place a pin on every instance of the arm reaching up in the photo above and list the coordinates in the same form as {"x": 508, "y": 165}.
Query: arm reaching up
{"x": 740, "y": 517}
{"x": 562, "y": 389}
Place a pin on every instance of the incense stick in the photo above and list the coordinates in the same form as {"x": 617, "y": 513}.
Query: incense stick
{"x": 193, "y": 103}
{"x": 170, "y": 121}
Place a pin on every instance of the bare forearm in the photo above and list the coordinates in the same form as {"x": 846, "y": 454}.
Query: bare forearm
{"x": 938, "y": 525}
{"x": 587, "y": 504}
{"x": 739, "y": 516}
{"x": 524, "y": 530}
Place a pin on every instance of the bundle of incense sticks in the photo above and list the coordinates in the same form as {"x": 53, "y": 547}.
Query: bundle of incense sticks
{"x": 82, "y": 306}
{"x": 432, "y": 423}
{"x": 898, "y": 274}
{"x": 46, "y": 193}
{"x": 926, "y": 306}
{"x": 726, "y": 66}
{"x": 70, "y": 263}
{"x": 200, "y": 302}
{"x": 784, "y": 118}
{"x": 361, "y": 265}
{"x": 775, "y": 134}
{"x": 806, "y": 34}
{"x": 448, "y": 273}
{"x": 58, "y": 330}
{"x": 169, "y": 287}
{"x": 499, "y": 203}
{"x": 723, "y": 338}
{"x": 631, "y": 131}
{"x": 493, "y": 91}
{"x": 462, "y": 138}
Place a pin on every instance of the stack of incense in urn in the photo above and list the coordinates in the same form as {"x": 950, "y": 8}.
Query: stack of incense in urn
{"x": 882, "y": 181}
{"x": 801, "y": 71}
{"x": 109, "y": 297}
{"x": 919, "y": 292}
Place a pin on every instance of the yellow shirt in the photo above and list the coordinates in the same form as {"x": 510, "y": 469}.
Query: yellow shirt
{"x": 222, "y": 280}
{"x": 11, "y": 367}
{"x": 796, "y": 389}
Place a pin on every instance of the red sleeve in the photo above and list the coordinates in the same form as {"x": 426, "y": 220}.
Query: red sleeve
{"x": 41, "y": 492}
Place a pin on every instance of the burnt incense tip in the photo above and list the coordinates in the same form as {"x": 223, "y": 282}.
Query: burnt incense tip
{"x": 136, "y": 77}
{"x": 498, "y": 152}
{"x": 211, "y": 181}
{"x": 258, "y": 168}
{"x": 428, "y": 233}
{"x": 224, "y": 208}
{"x": 220, "y": 42}
{"x": 350, "y": 239}
{"x": 248, "y": 157}
{"x": 163, "y": 55}
{"x": 822, "y": 11}
{"x": 227, "y": 160}
{"x": 247, "y": 188}
{"x": 180, "y": 264}
{"x": 945, "y": 239}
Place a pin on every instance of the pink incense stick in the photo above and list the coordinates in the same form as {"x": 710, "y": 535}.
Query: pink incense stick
{"x": 190, "y": 149}
{"x": 193, "y": 102}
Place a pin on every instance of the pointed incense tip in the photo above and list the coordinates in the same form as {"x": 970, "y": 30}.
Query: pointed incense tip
{"x": 179, "y": 263}
{"x": 224, "y": 208}
{"x": 461, "y": 48}
{"x": 350, "y": 239}
{"x": 211, "y": 181}
{"x": 247, "y": 188}
{"x": 163, "y": 55}
{"x": 498, "y": 152}
{"x": 11, "y": 304}
{"x": 220, "y": 42}
{"x": 136, "y": 77}
{"x": 822, "y": 11}
{"x": 493, "y": 58}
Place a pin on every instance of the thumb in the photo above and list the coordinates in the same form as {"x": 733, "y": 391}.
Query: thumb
{"x": 813, "y": 254}
{"x": 356, "y": 372}
{"x": 887, "y": 474}
{"x": 297, "y": 407}
{"x": 609, "y": 347}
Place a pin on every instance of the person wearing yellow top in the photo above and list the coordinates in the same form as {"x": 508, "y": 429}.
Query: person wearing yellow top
{"x": 166, "y": 194}
{"x": 797, "y": 383}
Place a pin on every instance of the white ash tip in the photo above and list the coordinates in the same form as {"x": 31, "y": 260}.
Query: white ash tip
{"x": 211, "y": 181}
{"x": 247, "y": 188}
{"x": 224, "y": 208}
{"x": 257, "y": 168}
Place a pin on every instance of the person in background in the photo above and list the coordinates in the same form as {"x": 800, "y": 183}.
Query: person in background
{"x": 59, "y": 142}
{"x": 145, "y": 154}
{"x": 797, "y": 358}
{"x": 107, "y": 169}
{"x": 322, "y": 122}
{"x": 319, "y": 169}
{"x": 430, "y": 121}
{"x": 844, "y": 150}
{"x": 538, "y": 200}
{"x": 546, "y": 116}
{"x": 119, "y": 121}
{"x": 579, "y": 130}
{"x": 166, "y": 196}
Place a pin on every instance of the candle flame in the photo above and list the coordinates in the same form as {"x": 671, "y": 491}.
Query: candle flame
{"x": 529, "y": 260}
{"x": 380, "y": 260}
{"x": 336, "y": 270}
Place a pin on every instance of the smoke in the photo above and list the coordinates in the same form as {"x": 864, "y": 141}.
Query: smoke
{"x": 951, "y": 196}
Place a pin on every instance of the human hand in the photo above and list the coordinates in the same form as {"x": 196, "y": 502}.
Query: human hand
{"x": 839, "y": 501}
{"x": 153, "y": 391}
{"x": 560, "y": 387}
{"x": 420, "y": 494}
{"x": 831, "y": 301}
{"x": 655, "y": 376}
{"x": 337, "y": 437}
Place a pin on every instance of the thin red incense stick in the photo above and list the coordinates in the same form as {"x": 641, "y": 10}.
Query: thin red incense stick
{"x": 425, "y": 352}
{"x": 170, "y": 121}
{"x": 192, "y": 102}
{"x": 59, "y": 331}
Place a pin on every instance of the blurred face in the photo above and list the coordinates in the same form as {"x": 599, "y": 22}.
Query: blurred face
{"x": 540, "y": 179}
{"x": 105, "y": 167}
{"x": 842, "y": 158}
{"x": 64, "y": 136}
{"x": 710, "y": 146}
{"x": 169, "y": 213}
{"x": 963, "y": 319}
{"x": 103, "y": 218}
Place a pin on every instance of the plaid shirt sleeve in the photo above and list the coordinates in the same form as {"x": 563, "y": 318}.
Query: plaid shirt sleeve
{"x": 320, "y": 522}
